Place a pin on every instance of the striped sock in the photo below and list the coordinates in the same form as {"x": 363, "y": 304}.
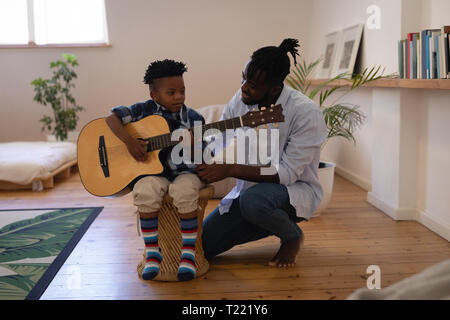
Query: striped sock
{"x": 186, "y": 270}
{"x": 153, "y": 257}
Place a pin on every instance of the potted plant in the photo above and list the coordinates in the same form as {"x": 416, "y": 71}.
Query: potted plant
{"x": 341, "y": 119}
{"x": 56, "y": 93}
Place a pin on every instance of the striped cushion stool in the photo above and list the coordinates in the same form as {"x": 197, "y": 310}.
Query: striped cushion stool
{"x": 170, "y": 242}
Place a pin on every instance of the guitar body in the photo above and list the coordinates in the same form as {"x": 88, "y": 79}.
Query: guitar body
{"x": 105, "y": 165}
{"x": 107, "y": 168}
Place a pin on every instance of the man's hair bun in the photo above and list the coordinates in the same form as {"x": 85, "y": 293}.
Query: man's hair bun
{"x": 290, "y": 45}
{"x": 273, "y": 61}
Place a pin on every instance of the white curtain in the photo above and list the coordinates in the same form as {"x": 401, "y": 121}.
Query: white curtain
{"x": 13, "y": 22}
{"x": 70, "y": 21}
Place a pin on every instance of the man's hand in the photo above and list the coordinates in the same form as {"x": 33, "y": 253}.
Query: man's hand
{"x": 138, "y": 149}
{"x": 210, "y": 173}
{"x": 216, "y": 172}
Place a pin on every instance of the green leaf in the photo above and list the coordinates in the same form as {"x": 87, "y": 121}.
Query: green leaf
{"x": 341, "y": 119}
{"x": 299, "y": 81}
{"x": 15, "y": 287}
{"x": 37, "y": 82}
{"x": 42, "y": 236}
{"x": 69, "y": 57}
{"x": 293, "y": 84}
{"x": 325, "y": 84}
{"x": 56, "y": 93}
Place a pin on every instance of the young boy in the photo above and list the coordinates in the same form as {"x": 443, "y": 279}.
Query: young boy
{"x": 167, "y": 90}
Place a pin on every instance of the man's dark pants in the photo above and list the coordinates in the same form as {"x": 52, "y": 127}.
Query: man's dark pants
{"x": 260, "y": 211}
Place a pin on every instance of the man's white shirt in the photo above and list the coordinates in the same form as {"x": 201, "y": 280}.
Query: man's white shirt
{"x": 300, "y": 138}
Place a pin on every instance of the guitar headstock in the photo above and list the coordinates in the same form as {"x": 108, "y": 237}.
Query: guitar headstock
{"x": 266, "y": 115}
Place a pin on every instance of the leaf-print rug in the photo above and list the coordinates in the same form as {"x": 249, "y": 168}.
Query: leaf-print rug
{"x": 34, "y": 243}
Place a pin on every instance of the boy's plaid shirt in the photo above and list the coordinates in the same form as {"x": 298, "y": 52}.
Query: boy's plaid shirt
{"x": 183, "y": 119}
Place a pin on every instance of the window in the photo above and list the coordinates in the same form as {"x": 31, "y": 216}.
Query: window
{"x": 52, "y": 22}
{"x": 13, "y": 22}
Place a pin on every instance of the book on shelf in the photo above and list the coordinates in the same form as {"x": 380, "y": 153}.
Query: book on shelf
{"x": 432, "y": 53}
{"x": 423, "y": 38}
{"x": 414, "y": 40}
{"x": 446, "y": 42}
{"x": 408, "y": 58}
{"x": 405, "y": 62}
{"x": 425, "y": 54}
{"x": 442, "y": 73}
{"x": 411, "y": 56}
{"x": 444, "y": 52}
{"x": 419, "y": 57}
{"x": 437, "y": 65}
{"x": 400, "y": 59}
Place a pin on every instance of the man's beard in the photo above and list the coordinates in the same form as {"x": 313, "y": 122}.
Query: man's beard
{"x": 259, "y": 102}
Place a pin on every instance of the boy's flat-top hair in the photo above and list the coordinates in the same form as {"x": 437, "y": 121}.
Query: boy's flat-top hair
{"x": 165, "y": 68}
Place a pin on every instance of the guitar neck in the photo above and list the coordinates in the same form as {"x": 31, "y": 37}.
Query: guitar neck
{"x": 165, "y": 140}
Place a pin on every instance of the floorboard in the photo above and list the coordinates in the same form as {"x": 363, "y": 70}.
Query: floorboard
{"x": 339, "y": 246}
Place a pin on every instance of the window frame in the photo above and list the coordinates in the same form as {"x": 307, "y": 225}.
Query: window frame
{"x": 31, "y": 34}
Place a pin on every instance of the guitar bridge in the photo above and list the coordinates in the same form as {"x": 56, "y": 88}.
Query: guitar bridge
{"x": 103, "y": 156}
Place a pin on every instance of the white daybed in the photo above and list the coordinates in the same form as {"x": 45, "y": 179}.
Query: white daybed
{"x": 34, "y": 165}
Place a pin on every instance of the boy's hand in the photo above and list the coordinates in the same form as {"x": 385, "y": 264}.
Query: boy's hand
{"x": 186, "y": 139}
{"x": 138, "y": 149}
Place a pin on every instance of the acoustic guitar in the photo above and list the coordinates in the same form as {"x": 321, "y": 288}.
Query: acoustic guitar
{"x": 106, "y": 167}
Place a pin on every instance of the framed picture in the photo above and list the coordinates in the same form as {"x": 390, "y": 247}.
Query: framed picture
{"x": 348, "y": 49}
{"x": 329, "y": 55}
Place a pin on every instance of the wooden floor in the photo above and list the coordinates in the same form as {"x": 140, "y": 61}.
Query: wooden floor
{"x": 339, "y": 246}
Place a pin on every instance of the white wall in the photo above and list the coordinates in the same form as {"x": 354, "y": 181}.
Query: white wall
{"x": 214, "y": 39}
{"x": 333, "y": 15}
{"x": 377, "y": 48}
{"x": 435, "y": 13}
{"x": 354, "y": 160}
{"x": 402, "y": 151}
{"x": 433, "y": 199}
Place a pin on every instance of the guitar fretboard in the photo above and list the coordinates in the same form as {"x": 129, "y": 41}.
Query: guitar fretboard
{"x": 164, "y": 140}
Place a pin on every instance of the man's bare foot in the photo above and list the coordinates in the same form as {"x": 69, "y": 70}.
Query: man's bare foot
{"x": 287, "y": 253}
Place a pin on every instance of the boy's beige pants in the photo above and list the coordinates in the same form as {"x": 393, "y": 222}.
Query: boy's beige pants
{"x": 149, "y": 191}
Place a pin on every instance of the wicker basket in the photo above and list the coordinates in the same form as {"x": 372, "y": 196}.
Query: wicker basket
{"x": 169, "y": 239}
